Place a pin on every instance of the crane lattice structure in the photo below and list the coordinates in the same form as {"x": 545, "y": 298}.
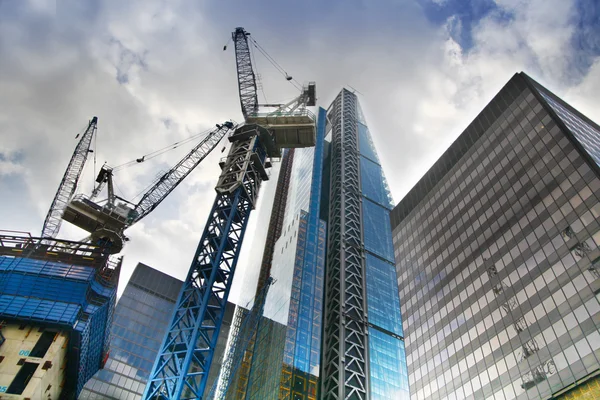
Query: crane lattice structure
{"x": 67, "y": 186}
{"x": 182, "y": 365}
{"x": 181, "y": 368}
{"x": 106, "y": 224}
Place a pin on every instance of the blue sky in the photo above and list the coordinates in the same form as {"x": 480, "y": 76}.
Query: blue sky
{"x": 424, "y": 69}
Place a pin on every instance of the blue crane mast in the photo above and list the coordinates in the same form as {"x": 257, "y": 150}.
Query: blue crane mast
{"x": 182, "y": 365}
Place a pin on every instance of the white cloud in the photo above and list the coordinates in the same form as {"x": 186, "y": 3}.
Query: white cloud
{"x": 419, "y": 90}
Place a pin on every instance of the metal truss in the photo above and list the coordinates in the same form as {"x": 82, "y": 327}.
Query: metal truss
{"x": 67, "y": 186}
{"x": 185, "y": 356}
{"x": 345, "y": 349}
{"x": 169, "y": 181}
{"x": 245, "y": 73}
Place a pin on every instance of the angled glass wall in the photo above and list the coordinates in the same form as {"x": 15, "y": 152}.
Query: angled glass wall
{"x": 286, "y": 354}
{"x": 497, "y": 253}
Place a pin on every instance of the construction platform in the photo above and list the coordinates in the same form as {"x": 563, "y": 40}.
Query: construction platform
{"x": 294, "y": 129}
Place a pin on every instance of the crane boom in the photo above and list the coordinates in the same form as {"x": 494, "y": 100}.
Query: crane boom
{"x": 69, "y": 182}
{"x": 245, "y": 73}
{"x": 169, "y": 181}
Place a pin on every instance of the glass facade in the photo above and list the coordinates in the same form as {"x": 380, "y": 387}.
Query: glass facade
{"x": 139, "y": 324}
{"x": 388, "y": 372}
{"x": 586, "y": 133}
{"x": 286, "y": 356}
{"x": 497, "y": 254}
{"x": 364, "y": 355}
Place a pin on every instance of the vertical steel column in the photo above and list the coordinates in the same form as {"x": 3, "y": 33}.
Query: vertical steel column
{"x": 183, "y": 362}
{"x": 345, "y": 361}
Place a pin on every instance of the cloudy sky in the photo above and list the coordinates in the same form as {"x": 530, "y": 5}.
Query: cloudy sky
{"x": 154, "y": 72}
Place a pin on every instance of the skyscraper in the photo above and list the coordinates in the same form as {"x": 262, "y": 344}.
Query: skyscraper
{"x": 363, "y": 348}
{"x": 332, "y": 326}
{"x": 56, "y": 303}
{"x": 497, "y": 254}
{"x": 140, "y": 321}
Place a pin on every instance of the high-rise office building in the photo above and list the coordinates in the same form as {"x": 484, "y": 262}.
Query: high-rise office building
{"x": 363, "y": 347}
{"x": 140, "y": 321}
{"x": 56, "y": 302}
{"x": 497, "y": 254}
{"x": 332, "y": 326}
{"x": 286, "y": 354}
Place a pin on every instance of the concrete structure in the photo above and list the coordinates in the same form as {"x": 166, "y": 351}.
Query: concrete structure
{"x": 30, "y": 350}
{"x": 56, "y": 304}
{"x": 497, "y": 254}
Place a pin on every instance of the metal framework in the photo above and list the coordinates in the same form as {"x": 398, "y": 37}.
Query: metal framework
{"x": 169, "y": 181}
{"x": 245, "y": 73}
{"x": 185, "y": 356}
{"x": 345, "y": 348}
{"x": 69, "y": 182}
{"x": 276, "y": 220}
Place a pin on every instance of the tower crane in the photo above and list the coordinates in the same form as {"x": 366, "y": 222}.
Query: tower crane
{"x": 106, "y": 224}
{"x": 68, "y": 184}
{"x": 184, "y": 359}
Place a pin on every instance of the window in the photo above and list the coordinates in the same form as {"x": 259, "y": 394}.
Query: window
{"x": 43, "y": 344}
{"x": 22, "y": 378}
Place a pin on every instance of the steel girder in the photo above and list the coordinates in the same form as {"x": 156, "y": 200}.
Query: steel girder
{"x": 246, "y": 77}
{"x": 345, "y": 365}
{"x": 67, "y": 186}
{"x": 185, "y": 356}
{"x": 169, "y": 181}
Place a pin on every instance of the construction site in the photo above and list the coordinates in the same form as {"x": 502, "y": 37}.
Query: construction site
{"x": 58, "y": 297}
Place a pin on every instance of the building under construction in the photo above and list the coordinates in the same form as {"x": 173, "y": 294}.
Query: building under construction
{"x": 56, "y": 303}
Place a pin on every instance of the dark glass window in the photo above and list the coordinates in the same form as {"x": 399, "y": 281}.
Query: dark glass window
{"x": 43, "y": 344}
{"x": 22, "y": 378}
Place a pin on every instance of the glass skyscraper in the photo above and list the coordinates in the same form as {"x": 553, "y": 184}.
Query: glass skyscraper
{"x": 497, "y": 254}
{"x": 287, "y": 353}
{"x": 139, "y": 324}
{"x": 331, "y": 326}
{"x": 363, "y": 347}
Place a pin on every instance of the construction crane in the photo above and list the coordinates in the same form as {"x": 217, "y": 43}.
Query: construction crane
{"x": 68, "y": 184}
{"x": 184, "y": 359}
{"x": 106, "y": 223}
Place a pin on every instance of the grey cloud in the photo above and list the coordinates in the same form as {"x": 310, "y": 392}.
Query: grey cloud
{"x": 154, "y": 72}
